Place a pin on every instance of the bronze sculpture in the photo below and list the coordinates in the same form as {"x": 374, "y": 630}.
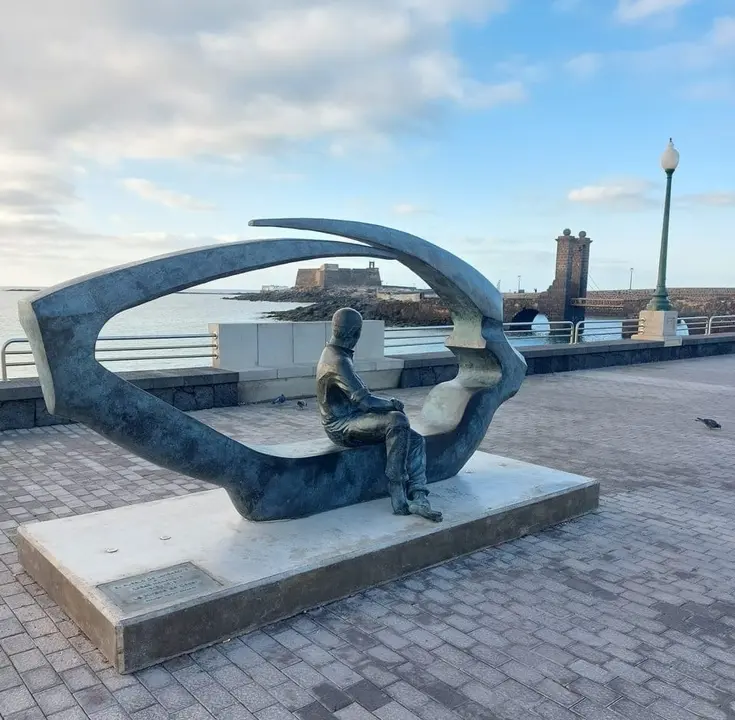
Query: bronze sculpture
{"x": 292, "y": 480}
{"x": 352, "y": 416}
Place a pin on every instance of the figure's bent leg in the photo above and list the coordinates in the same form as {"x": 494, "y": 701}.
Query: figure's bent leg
{"x": 393, "y": 429}
{"x": 416, "y": 466}
{"x": 417, "y": 490}
{"x": 397, "y": 446}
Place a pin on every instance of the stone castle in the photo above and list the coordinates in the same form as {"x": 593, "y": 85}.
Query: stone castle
{"x": 331, "y": 276}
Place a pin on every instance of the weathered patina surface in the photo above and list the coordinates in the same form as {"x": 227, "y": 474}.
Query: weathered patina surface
{"x": 284, "y": 481}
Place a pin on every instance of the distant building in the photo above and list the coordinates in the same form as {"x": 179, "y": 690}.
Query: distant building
{"x": 331, "y": 275}
{"x": 273, "y": 288}
{"x": 405, "y": 294}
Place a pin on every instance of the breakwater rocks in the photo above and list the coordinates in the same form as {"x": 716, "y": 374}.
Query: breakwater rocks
{"x": 320, "y": 305}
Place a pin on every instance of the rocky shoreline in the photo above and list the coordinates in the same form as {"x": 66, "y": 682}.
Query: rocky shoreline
{"x": 320, "y": 305}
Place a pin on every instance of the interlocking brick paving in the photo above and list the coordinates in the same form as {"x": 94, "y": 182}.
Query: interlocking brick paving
{"x": 627, "y": 613}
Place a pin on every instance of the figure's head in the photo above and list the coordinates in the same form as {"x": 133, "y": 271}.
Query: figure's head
{"x": 346, "y": 328}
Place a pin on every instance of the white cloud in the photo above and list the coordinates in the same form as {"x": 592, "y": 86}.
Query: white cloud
{"x": 723, "y": 32}
{"x": 521, "y": 70}
{"x": 585, "y": 65}
{"x": 227, "y": 78}
{"x": 627, "y": 194}
{"x": 637, "y": 194}
{"x": 85, "y": 81}
{"x": 408, "y": 209}
{"x": 714, "y": 50}
{"x": 151, "y": 192}
{"x": 710, "y": 90}
{"x": 725, "y": 199}
{"x": 38, "y": 245}
{"x": 631, "y": 11}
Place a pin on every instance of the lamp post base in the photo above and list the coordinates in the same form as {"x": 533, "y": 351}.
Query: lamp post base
{"x": 660, "y": 303}
{"x": 657, "y": 325}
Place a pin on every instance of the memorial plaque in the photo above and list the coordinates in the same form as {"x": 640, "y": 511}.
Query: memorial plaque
{"x": 141, "y": 592}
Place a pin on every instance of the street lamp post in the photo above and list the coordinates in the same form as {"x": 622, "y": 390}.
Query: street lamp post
{"x": 519, "y": 283}
{"x": 631, "y": 279}
{"x": 660, "y": 299}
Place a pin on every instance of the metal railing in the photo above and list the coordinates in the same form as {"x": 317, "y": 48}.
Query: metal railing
{"x": 587, "y": 330}
{"x": 418, "y": 336}
{"x": 720, "y": 323}
{"x": 695, "y": 325}
{"x": 141, "y": 348}
{"x": 558, "y": 330}
{"x": 104, "y": 353}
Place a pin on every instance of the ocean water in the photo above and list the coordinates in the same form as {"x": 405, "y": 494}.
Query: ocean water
{"x": 190, "y": 313}
{"x": 177, "y": 314}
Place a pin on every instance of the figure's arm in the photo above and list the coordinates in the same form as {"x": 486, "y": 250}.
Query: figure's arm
{"x": 352, "y": 385}
{"x": 373, "y": 403}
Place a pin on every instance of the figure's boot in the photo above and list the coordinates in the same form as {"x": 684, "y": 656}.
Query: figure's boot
{"x": 398, "y": 498}
{"x": 418, "y": 504}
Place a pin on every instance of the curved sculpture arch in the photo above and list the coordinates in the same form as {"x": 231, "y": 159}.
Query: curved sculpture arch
{"x": 287, "y": 481}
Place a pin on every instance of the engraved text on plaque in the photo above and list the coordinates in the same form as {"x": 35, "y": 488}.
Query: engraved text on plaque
{"x": 159, "y": 587}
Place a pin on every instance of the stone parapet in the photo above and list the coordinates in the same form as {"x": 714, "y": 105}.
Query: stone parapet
{"x": 429, "y": 368}
{"x": 22, "y": 404}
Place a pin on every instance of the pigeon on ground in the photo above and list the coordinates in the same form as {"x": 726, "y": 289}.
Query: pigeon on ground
{"x": 711, "y": 424}
{"x": 279, "y": 400}
{"x": 301, "y": 404}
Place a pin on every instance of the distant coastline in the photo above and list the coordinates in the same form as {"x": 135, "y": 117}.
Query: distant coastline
{"x": 319, "y": 305}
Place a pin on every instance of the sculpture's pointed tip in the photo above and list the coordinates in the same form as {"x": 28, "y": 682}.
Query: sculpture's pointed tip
{"x": 267, "y": 222}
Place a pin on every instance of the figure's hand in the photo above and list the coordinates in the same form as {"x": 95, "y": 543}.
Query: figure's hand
{"x": 397, "y": 404}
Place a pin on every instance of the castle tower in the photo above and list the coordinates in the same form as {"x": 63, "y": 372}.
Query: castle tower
{"x": 570, "y": 280}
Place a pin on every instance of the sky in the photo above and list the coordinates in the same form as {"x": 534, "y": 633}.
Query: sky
{"x": 134, "y": 128}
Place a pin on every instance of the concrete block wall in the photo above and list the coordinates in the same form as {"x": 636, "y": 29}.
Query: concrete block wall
{"x": 246, "y": 346}
{"x": 281, "y": 358}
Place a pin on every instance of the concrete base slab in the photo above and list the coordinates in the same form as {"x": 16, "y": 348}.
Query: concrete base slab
{"x": 152, "y": 581}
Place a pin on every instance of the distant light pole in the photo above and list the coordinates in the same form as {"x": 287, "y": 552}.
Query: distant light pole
{"x": 631, "y": 279}
{"x": 519, "y": 283}
{"x": 660, "y": 299}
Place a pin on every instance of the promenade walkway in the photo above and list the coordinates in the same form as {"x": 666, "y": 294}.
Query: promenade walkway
{"x": 626, "y": 613}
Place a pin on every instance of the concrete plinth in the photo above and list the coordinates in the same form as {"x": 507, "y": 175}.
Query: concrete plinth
{"x": 151, "y": 581}
{"x": 658, "y": 325}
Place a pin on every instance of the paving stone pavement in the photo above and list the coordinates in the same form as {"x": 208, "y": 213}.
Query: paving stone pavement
{"x": 624, "y": 614}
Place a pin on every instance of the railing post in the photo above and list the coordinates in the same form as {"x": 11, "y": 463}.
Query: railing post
{"x": 4, "y": 360}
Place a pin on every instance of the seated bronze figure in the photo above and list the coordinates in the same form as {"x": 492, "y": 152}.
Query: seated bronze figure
{"x": 352, "y": 416}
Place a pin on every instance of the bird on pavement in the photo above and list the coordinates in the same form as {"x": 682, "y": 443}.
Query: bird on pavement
{"x": 301, "y": 404}
{"x": 710, "y": 423}
{"x": 279, "y": 400}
